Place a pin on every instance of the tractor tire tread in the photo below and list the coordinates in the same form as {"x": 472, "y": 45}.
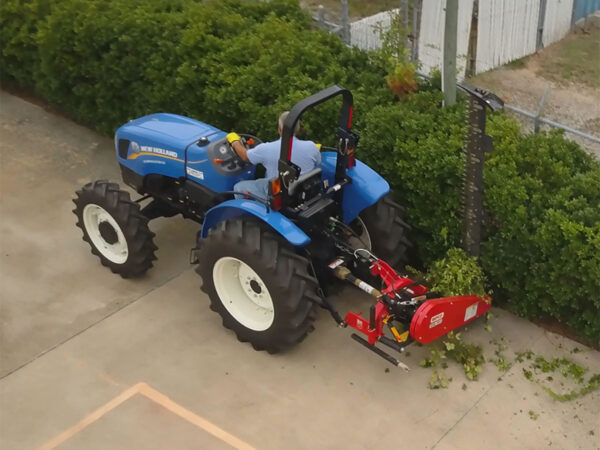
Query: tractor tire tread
{"x": 388, "y": 230}
{"x": 133, "y": 224}
{"x": 291, "y": 287}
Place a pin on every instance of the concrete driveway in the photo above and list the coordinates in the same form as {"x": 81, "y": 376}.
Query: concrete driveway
{"x": 89, "y": 360}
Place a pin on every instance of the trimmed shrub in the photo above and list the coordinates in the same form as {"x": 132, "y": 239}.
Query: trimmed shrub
{"x": 542, "y": 250}
{"x": 263, "y": 68}
{"x": 457, "y": 274}
{"x": 107, "y": 62}
{"x": 232, "y": 63}
{"x": 19, "y": 23}
{"x": 418, "y": 147}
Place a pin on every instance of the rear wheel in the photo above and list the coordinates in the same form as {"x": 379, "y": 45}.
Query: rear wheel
{"x": 115, "y": 229}
{"x": 387, "y": 231}
{"x": 359, "y": 236}
{"x": 261, "y": 289}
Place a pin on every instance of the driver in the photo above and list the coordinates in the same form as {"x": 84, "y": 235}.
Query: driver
{"x": 305, "y": 154}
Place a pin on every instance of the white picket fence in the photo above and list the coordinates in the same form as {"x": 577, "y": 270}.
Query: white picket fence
{"x": 507, "y": 30}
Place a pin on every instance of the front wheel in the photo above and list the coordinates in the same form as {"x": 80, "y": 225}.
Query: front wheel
{"x": 115, "y": 228}
{"x": 261, "y": 289}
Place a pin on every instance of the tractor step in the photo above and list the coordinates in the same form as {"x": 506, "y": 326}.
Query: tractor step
{"x": 389, "y": 358}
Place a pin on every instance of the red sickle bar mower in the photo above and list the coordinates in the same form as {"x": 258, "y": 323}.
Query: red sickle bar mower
{"x": 403, "y": 300}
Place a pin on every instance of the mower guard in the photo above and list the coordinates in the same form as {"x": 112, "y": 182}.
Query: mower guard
{"x": 439, "y": 316}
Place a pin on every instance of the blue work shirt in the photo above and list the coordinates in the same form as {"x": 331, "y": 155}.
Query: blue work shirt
{"x": 305, "y": 155}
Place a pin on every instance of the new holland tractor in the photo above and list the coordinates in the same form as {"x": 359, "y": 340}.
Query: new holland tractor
{"x": 267, "y": 264}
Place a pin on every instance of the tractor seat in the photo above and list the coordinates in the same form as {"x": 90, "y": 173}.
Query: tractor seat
{"x": 308, "y": 181}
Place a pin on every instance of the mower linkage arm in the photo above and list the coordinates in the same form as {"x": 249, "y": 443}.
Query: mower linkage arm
{"x": 374, "y": 327}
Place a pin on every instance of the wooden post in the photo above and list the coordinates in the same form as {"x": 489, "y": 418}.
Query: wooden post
{"x": 541, "y": 104}
{"x": 449, "y": 65}
{"x": 471, "y": 69}
{"x": 416, "y": 28}
{"x": 321, "y": 16}
{"x": 540, "y": 28}
{"x": 345, "y": 22}
{"x": 404, "y": 11}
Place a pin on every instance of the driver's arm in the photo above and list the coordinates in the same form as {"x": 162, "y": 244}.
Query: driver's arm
{"x": 236, "y": 143}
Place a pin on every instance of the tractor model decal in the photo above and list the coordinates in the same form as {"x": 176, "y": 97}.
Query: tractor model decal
{"x": 146, "y": 150}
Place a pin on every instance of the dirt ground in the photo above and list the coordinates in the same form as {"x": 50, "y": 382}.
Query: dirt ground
{"x": 573, "y": 98}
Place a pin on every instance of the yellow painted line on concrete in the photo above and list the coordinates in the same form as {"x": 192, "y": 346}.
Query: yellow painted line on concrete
{"x": 88, "y": 420}
{"x": 194, "y": 419}
{"x": 152, "y": 394}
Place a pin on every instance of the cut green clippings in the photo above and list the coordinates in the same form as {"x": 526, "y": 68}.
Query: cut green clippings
{"x": 469, "y": 356}
{"x": 500, "y": 360}
{"x": 570, "y": 371}
{"x": 439, "y": 380}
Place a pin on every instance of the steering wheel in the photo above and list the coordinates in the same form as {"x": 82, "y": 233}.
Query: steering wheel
{"x": 231, "y": 158}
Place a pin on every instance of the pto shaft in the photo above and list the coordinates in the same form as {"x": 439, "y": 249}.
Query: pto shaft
{"x": 343, "y": 273}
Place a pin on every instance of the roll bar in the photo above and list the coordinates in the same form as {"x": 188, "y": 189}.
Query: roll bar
{"x": 286, "y": 169}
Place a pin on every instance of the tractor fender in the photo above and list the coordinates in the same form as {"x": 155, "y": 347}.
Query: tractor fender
{"x": 242, "y": 207}
{"x": 366, "y": 188}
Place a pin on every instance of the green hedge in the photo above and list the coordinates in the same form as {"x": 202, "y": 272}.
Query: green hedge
{"x": 232, "y": 63}
{"x": 236, "y": 64}
{"x": 418, "y": 147}
{"x": 19, "y": 25}
{"x": 542, "y": 246}
{"x": 541, "y": 236}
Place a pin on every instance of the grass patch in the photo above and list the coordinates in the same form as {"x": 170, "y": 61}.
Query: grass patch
{"x": 575, "y": 59}
{"x": 517, "y": 63}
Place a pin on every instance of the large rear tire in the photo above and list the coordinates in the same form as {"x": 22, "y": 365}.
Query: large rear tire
{"x": 115, "y": 228}
{"x": 257, "y": 284}
{"x": 387, "y": 231}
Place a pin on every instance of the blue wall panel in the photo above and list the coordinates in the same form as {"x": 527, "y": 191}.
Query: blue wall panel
{"x": 582, "y": 8}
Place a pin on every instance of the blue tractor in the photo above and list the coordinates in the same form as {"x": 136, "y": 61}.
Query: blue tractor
{"x": 266, "y": 263}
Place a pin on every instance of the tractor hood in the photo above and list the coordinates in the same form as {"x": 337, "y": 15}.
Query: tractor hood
{"x": 170, "y": 130}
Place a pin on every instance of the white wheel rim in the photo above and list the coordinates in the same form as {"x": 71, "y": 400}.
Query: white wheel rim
{"x": 243, "y": 293}
{"x": 364, "y": 238}
{"x": 93, "y": 216}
